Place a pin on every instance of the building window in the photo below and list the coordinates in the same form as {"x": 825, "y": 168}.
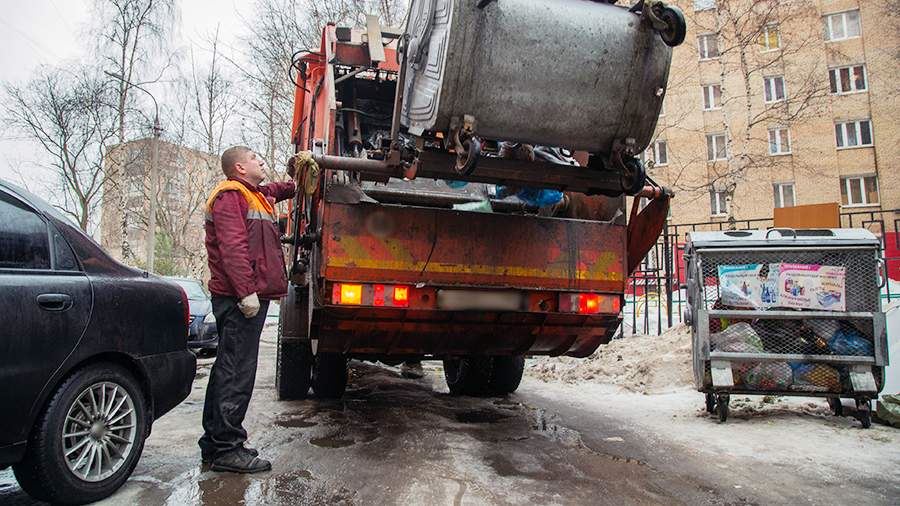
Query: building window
{"x": 843, "y": 25}
{"x": 784, "y": 195}
{"x": 774, "y": 88}
{"x": 852, "y": 134}
{"x": 859, "y": 191}
{"x": 712, "y": 97}
{"x": 718, "y": 203}
{"x": 703, "y": 5}
{"x": 661, "y": 152}
{"x": 716, "y": 147}
{"x": 779, "y": 141}
{"x": 770, "y": 38}
{"x": 850, "y": 79}
{"x": 135, "y": 187}
{"x": 708, "y": 45}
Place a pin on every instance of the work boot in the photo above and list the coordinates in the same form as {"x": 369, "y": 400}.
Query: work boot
{"x": 240, "y": 461}
{"x": 208, "y": 458}
{"x": 412, "y": 370}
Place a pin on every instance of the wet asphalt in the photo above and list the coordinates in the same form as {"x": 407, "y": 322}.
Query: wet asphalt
{"x": 392, "y": 440}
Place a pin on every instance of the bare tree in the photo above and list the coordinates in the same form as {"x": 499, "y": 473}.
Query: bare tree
{"x": 769, "y": 79}
{"x": 67, "y": 112}
{"x": 128, "y": 31}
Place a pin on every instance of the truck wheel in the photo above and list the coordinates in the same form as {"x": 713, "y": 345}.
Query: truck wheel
{"x": 329, "y": 378}
{"x": 88, "y": 439}
{"x": 507, "y": 374}
{"x": 293, "y": 369}
{"x": 468, "y": 375}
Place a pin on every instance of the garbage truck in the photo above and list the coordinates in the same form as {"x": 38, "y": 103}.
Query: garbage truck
{"x": 415, "y": 233}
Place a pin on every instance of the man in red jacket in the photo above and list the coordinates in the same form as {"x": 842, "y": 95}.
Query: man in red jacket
{"x": 247, "y": 270}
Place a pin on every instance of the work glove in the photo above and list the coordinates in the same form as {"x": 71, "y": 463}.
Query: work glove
{"x": 249, "y": 305}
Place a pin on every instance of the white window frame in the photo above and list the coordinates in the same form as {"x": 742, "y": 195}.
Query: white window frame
{"x": 781, "y": 134}
{"x": 715, "y": 150}
{"x": 656, "y": 151}
{"x": 834, "y": 73}
{"x": 828, "y": 20}
{"x": 704, "y": 5}
{"x": 766, "y": 31}
{"x": 861, "y": 180}
{"x": 703, "y": 46}
{"x": 779, "y": 193}
{"x": 856, "y": 125}
{"x": 708, "y": 92}
{"x": 718, "y": 203}
{"x": 769, "y": 89}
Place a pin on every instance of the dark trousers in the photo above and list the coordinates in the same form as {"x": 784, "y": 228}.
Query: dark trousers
{"x": 232, "y": 377}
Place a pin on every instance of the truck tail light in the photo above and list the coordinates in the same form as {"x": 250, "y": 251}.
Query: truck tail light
{"x": 357, "y": 294}
{"x": 348, "y": 294}
{"x": 401, "y": 296}
{"x": 589, "y": 303}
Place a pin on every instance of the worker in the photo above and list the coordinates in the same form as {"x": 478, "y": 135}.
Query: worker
{"x": 247, "y": 271}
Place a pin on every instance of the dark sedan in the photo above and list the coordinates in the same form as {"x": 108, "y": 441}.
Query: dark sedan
{"x": 91, "y": 353}
{"x": 202, "y": 333}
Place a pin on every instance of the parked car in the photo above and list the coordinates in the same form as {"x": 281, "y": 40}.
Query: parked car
{"x": 203, "y": 335}
{"x": 92, "y": 353}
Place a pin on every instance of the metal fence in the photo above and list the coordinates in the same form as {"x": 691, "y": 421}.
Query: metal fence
{"x": 655, "y": 296}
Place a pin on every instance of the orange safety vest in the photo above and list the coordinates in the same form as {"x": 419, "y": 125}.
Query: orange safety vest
{"x": 259, "y": 207}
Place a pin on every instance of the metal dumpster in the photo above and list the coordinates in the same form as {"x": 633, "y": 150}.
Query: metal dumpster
{"x": 785, "y": 312}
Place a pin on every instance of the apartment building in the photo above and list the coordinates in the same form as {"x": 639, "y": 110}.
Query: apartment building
{"x": 781, "y": 103}
{"x": 186, "y": 177}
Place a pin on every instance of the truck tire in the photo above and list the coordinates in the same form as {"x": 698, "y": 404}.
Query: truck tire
{"x": 88, "y": 439}
{"x": 329, "y": 378}
{"x": 507, "y": 374}
{"x": 293, "y": 368}
{"x": 469, "y": 375}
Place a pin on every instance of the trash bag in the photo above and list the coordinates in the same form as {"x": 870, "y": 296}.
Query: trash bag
{"x": 536, "y": 197}
{"x": 789, "y": 336}
{"x": 815, "y": 377}
{"x": 769, "y": 376}
{"x": 848, "y": 341}
{"x": 888, "y": 409}
{"x": 737, "y": 338}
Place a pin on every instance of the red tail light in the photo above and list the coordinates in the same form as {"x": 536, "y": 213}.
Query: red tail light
{"x": 186, "y": 306}
{"x": 356, "y": 294}
{"x": 589, "y": 303}
{"x": 401, "y": 296}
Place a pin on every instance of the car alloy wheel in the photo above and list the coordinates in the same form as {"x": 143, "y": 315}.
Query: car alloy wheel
{"x": 99, "y": 432}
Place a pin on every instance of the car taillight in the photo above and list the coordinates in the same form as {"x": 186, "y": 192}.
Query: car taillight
{"x": 589, "y": 303}
{"x": 186, "y": 307}
{"x": 355, "y": 294}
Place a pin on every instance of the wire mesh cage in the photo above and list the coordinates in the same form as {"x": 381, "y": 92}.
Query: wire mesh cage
{"x": 786, "y": 313}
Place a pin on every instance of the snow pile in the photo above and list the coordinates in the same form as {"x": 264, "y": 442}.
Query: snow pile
{"x": 647, "y": 364}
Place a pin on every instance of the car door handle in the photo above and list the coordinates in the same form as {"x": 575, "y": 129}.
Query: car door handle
{"x": 54, "y": 301}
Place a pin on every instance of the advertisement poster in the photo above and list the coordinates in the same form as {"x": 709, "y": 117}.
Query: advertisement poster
{"x": 748, "y": 285}
{"x": 812, "y": 286}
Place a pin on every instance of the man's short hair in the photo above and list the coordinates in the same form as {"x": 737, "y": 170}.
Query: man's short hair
{"x": 230, "y": 158}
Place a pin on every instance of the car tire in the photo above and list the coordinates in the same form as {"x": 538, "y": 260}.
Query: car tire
{"x": 329, "y": 378}
{"x": 506, "y": 374}
{"x": 293, "y": 369}
{"x": 469, "y": 375}
{"x": 49, "y": 474}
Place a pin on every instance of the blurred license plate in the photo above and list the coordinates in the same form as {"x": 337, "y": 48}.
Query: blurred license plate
{"x": 463, "y": 300}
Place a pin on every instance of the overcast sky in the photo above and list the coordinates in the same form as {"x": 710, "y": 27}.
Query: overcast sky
{"x": 35, "y": 32}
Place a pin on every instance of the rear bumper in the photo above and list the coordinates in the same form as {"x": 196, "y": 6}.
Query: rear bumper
{"x": 370, "y": 331}
{"x": 171, "y": 376}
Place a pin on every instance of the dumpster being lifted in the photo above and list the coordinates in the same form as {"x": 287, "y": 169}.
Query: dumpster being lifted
{"x": 382, "y": 267}
{"x": 785, "y": 312}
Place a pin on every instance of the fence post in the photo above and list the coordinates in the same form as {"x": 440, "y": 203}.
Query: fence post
{"x": 667, "y": 265}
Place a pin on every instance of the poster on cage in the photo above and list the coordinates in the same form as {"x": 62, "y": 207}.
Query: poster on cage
{"x": 812, "y": 286}
{"x": 748, "y": 285}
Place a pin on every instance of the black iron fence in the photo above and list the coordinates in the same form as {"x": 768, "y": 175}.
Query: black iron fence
{"x": 655, "y": 297}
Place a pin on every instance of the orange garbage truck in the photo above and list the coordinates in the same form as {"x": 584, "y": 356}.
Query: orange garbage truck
{"x": 465, "y": 236}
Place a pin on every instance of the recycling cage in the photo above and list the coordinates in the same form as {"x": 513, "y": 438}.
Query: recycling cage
{"x": 791, "y": 338}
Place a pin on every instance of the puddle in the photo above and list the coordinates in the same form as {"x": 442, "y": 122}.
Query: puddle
{"x": 480, "y": 416}
{"x": 331, "y": 442}
{"x": 294, "y": 422}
